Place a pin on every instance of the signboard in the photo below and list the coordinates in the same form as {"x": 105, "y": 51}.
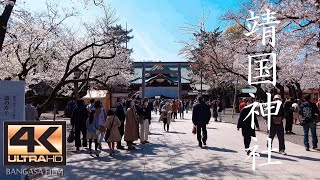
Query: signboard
{"x": 12, "y": 105}
{"x": 249, "y": 89}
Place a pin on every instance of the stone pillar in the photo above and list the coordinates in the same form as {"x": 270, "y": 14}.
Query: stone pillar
{"x": 179, "y": 82}
{"x": 143, "y": 89}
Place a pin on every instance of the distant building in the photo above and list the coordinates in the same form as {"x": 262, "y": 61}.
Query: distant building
{"x": 164, "y": 79}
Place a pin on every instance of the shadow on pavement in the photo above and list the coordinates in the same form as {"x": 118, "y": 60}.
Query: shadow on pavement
{"x": 276, "y": 157}
{"x": 306, "y": 158}
{"x": 220, "y": 149}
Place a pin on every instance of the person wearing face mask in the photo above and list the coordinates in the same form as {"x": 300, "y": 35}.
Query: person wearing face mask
{"x": 245, "y": 125}
{"x": 144, "y": 132}
{"x": 121, "y": 115}
{"x": 131, "y": 132}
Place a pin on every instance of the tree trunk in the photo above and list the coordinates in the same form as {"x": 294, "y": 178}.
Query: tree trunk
{"x": 4, "y": 18}
{"x": 299, "y": 91}
{"x": 290, "y": 90}
{"x": 294, "y": 91}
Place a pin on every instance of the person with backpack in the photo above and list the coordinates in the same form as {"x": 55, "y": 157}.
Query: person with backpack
{"x": 276, "y": 126}
{"x": 309, "y": 113}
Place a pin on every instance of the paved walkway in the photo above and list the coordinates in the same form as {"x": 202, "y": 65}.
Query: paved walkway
{"x": 175, "y": 155}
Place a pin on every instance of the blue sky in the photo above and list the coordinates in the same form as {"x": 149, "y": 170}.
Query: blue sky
{"x": 156, "y": 23}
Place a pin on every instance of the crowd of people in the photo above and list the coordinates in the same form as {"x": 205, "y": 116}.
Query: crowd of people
{"x": 95, "y": 125}
{"x": 293, "y": 111}
{"x": 131, "y": 119}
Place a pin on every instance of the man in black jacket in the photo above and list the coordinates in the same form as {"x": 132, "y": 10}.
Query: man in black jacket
{"x": 288, "y": 112}
{"x": 245, "y": 125}
{"x": 200, "y": 117}
{"x": 121, "y": 115}
{"x": 78, "y": 121}
{"x": 309, "y": 112}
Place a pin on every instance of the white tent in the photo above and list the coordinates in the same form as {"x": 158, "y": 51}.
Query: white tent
{"x": 101, "y": 95}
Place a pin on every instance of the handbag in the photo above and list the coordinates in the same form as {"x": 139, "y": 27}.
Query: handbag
{"x": 108, "y": 131}
{"x": 71, "y": 136}
{"x": 194, "y": 130}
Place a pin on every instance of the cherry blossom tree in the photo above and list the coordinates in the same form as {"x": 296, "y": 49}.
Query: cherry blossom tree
{"x": 296, "y": 39}
{"x": 7, "y": 11}
{"x": 42, "y": 49}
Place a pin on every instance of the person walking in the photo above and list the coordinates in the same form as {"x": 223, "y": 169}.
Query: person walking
{"x": 296, "y": 110}
{"x": 121, "y": 116}
{"x": 78, "y": 122}
{"x": 181, "y": 109}
{"x": 166, "y": 116}
{"x": 31, "y": 113}
{"x": 215, "y": 110}
{"x": 200, "y": 117}
{"x": 131, "y": 132}
{"x": 187, "y": 106}
{"x": 288, "y": 112}
{"x": 220, "y": 109}
{"x": 309, "y": 112}
{"x": 276, "y": 126}
{"x": 146, "y": 116}
{"x": 92, "y": 129}
{"x": 113, "y": 123}
{"x": 174, "y": 110}
{"x": 245, "y": 126}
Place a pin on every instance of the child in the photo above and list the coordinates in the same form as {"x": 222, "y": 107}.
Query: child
{"x": 245, "y": 125}
{"x": 92, "y": 129}
{"x": 113, "y": 123}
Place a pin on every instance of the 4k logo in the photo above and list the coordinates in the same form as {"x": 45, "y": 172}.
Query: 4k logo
{"x": 35, "y": 143}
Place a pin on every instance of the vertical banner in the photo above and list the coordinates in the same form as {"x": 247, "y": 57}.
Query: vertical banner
{"x": 12, "y": 105}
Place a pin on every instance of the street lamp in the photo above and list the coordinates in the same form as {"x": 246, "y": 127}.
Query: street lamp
{"x": 77, "y": 74}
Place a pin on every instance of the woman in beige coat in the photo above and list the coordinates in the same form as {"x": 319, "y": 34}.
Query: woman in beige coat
{"x": 166, "y": 116}
{"x": 131, "y": 132}
{"x": 114, "y": 134}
